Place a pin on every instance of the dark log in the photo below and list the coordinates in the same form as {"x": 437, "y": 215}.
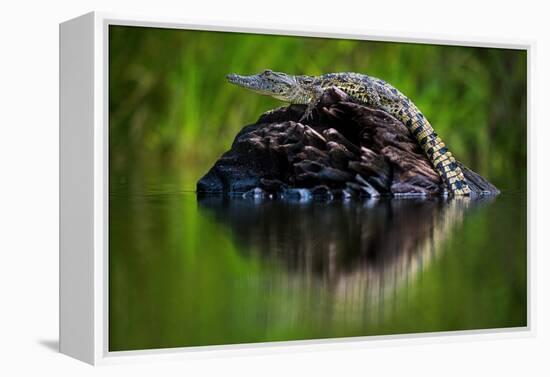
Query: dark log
{"x": 345, "y": 149}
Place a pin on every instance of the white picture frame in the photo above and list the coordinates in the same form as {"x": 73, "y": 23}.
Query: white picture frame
{"x": 84, "y": 191}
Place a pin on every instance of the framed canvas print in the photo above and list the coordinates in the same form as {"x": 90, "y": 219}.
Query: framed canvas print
{"x": 224, "y": 188}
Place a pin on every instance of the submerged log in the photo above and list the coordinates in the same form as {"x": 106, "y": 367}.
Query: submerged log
{"x": 344, "y": 149}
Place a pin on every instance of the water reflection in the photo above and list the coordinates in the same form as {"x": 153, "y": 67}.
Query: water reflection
{"x": 356, "y": 250}
{"x": 188, "y": 272}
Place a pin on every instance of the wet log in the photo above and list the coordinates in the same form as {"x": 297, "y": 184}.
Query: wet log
{"x": 345, "y": 149}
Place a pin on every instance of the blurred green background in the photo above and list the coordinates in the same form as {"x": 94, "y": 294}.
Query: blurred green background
{"x": 170, "y": 105}
{"x": 185, "y": 271}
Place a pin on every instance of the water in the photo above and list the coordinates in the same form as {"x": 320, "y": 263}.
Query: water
{"x": 189, "y": 271}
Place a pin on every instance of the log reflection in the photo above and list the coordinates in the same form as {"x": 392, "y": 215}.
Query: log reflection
{"x": 358, "y": 253}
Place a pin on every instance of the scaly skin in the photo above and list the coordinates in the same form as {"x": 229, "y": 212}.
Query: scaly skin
{"x": 372, "y": 92}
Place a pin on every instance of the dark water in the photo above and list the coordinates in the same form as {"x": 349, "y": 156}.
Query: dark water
{"x": 189, "y": 271}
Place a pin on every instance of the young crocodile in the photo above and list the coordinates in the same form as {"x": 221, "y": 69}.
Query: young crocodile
{"x": 371, "y": 91}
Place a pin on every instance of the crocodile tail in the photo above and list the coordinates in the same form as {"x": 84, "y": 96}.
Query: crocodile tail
{"x": 436, "y": 151}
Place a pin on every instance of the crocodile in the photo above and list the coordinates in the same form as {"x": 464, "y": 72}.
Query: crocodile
{"x": 370, "y": 91}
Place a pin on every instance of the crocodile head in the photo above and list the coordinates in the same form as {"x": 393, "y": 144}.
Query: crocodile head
{"x": 275, "y": 84}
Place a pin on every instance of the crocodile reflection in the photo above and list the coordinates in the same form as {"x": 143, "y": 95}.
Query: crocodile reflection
{"x": 375, "y": 244}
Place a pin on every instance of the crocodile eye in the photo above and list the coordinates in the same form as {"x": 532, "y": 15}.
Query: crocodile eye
{"x": 268, "y": 72}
